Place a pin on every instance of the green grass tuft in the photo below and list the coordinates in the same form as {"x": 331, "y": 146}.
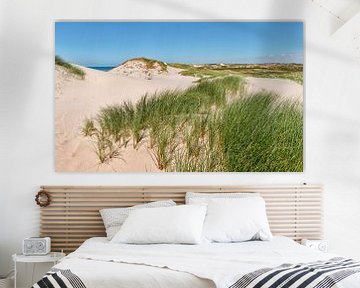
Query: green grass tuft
{"x": 212, "y": 126}
{"x": 259, "y": 135}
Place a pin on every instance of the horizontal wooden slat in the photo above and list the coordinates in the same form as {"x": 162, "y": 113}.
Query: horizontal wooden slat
{"x": 71, "y": 226}
{"x": 182, "y": 188}
{"x": 83, "y": 219}
{"x": 98, "y": 198}
{"x": 50, "y": 232}
{"x": 73, "y": 216}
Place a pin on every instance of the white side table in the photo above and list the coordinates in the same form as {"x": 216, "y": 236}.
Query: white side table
{"x": 53, "y": 257}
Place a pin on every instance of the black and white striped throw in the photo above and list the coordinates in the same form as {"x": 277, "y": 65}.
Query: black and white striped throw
{"x": 320, "y": 274}
{"x": 58, "y": 278}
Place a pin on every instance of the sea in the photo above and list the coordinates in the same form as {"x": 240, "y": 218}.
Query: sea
{"x": 101, "y": 68}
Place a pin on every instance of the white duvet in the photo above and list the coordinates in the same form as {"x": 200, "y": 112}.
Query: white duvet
{"x": 100, "y": 263}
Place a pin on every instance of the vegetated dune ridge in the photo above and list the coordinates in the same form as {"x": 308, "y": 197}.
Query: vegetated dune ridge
{"x": 76, "y": 100}
{"x": 143, "y": 68}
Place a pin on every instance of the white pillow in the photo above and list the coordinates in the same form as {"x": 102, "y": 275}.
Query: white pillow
{"x": 180, "y": 224}
{"x": 204, "y": 198}
{"x": 113, "y": 218}
{"x": 236, "y": 220}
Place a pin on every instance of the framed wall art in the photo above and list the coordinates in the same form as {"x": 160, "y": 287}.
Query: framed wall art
{"x": 179, "y": 96}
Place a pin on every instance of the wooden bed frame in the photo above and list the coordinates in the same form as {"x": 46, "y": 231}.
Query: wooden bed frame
{"x": 73, "y": 214}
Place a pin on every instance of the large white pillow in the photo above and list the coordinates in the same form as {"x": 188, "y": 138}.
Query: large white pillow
{"x": 173, "y": 225}
{"x": 113, "y": 218}
{"x": 204, "y": 198}
{"x": 236, "y": 220}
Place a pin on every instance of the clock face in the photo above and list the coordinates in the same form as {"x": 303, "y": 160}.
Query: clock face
{"x": 29, "y": 245}
{"x": 40, "y": 245}
{"x": 323, "y": 247}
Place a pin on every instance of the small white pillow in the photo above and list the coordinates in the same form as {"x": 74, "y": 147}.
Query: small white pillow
{"x": 236, "y": 220}
{"x": 204, "y": 198}
{"x": 113, "y": 218}
{"x": 172, "y": 225}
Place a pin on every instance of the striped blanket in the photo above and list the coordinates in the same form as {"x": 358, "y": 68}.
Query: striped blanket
{"x": 57, "y": 278}
{"x": 320, "y": 274}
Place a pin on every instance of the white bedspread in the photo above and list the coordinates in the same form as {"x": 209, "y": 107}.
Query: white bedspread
{"x": 102, "y": 264}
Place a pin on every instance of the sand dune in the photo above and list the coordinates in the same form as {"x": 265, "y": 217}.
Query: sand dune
{"x": 143, "y": 68}
{"x": 286, "y": 89}
{"x": 76, "y": 100}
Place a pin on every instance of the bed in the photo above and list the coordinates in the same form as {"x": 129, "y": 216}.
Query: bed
{"x": 294, "y": 211}
{"x": 99, "y": 263}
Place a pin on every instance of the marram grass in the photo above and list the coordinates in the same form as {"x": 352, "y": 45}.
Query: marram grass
{"x": 260, "y": 135}
{"x": 210, "y": 127}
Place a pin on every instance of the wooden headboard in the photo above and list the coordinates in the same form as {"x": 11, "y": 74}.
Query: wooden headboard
{"x": 73, "y": 215}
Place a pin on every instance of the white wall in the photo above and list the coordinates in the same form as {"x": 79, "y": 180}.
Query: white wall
{"x": 332, "y": 129}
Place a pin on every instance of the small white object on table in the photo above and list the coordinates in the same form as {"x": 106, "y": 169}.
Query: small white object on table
{"x": 320, "y": 245}
{"x": 53, "y": 257}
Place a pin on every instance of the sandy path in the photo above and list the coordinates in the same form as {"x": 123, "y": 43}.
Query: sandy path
{"x": 76, "y": 100}
{"x": 287, "y": 89}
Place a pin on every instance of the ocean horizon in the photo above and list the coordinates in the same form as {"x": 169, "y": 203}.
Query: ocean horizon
{"x": 101, "y": 68}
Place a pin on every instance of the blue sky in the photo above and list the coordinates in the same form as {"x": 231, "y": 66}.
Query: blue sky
{"x": 111, "y": 43}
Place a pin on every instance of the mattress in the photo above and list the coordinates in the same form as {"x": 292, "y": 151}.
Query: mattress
{"x": 103, "y": 273}
{"x": 99, "y": 263}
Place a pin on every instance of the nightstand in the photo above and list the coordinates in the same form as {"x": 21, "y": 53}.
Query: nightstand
{"x": 52, "y": 257}
{"x": 320, "y": 245}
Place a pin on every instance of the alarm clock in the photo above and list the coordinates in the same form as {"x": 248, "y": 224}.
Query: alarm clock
{"x": 36, "y": 246}
{"x": 320, "y": 245}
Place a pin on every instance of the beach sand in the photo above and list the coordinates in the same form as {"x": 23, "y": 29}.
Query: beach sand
{"x": 76, "y": 100}
{"x": 286, "y": 89}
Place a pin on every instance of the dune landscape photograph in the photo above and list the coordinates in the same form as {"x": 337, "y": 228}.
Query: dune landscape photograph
{"x": 179, "y": 96}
